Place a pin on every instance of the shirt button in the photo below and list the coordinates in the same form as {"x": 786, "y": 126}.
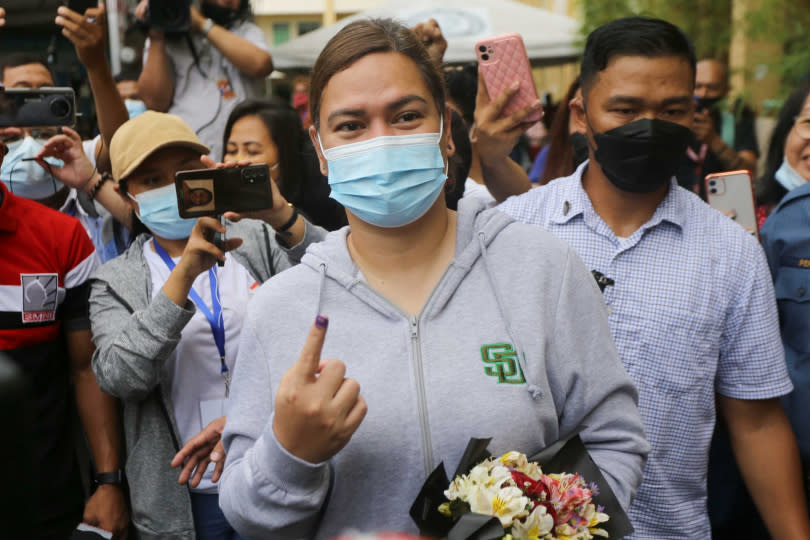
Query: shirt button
{"x": 801, "y": 291}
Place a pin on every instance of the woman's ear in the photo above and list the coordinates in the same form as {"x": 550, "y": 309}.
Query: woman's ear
{"x": 313, "y": 136}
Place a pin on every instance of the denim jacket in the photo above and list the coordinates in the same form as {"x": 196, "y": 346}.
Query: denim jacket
{"x": 786, "y": 240}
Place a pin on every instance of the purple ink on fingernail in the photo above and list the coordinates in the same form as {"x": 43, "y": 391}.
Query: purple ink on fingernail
{"x": 321, "y": 321}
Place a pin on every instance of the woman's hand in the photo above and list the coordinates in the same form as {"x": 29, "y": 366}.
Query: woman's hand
{"x": 201, "y": 450}
{"x": 77, "y": 171}
{"x": 497, "y": 135}
{"x": 432, "y": 39}
{"x": 200, "y": 253}
{"x": 87, "y": 32}
{"x": 317, "y": 408}
{"x": 275, "y": 216}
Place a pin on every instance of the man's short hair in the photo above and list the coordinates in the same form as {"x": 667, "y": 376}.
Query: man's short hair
{"x": 17, "y": 59}
{"x": 633, "y": 36}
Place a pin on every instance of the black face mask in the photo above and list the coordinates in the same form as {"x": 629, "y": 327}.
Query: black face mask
{"x": 642, "y": 156}
{"x": 580, "y": 143}
{"x": 221, "y": 15}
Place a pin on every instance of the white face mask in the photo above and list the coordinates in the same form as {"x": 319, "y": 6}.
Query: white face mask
{"x": 25, "y": 177}
{"x": 388, "y": 181}
{"x": 788, "y": 177}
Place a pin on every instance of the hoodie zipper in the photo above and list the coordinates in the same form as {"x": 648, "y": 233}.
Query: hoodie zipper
{"x": 424, "y": 425}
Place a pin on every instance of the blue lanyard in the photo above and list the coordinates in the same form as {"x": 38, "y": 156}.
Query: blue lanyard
{"x": 213, "y": 315}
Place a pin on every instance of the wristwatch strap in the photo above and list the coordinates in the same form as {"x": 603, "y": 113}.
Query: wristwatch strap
{"x": 114, "y": 477}
{"x": 284, "y": 230}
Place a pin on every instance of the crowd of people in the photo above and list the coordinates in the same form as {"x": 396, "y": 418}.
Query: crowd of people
{"x": 298, "y": 371}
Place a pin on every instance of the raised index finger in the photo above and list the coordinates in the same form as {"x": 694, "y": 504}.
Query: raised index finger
{"x": 310, "y": 359}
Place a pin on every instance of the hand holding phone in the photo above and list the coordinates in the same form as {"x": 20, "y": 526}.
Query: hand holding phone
{"x": 503, "y": 60}
{"x": 212, "y": 192}
{"x": 732, "y": 193}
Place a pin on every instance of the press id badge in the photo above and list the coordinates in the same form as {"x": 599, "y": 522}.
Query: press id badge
{"x": 225, "y": 89}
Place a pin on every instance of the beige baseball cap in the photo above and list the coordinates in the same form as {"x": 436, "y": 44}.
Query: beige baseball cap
{"x": 142, "y": 136}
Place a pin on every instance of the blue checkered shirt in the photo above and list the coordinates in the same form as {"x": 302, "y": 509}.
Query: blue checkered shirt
{"x": 692, "y": 312}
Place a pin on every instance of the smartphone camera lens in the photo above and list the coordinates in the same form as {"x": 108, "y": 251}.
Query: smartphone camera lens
{"x": 249, "y": 177}
{"x": 482, "y": 48}
{"x": 713, "y": 191}
{"x": 60, "y": 107}
{"x": 712, "y": 182}
{"x": 484, "y": 57}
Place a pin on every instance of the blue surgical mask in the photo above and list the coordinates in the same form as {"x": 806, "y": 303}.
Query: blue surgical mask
{"x": 788, "y": 177}
{"x": 27, "y": 178}
{"x": 387, "y": 181}
{"x": 158, "y": 211}
{"x": 135, "y": 107}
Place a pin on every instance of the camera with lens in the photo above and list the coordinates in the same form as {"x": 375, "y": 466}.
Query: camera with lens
{"x": 254, "y": 175}
{"x": 169, "y": 16}
{"x": 35, "y": 107}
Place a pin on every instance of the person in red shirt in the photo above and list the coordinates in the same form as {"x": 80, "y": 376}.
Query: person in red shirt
{"x": 44, "y": 329}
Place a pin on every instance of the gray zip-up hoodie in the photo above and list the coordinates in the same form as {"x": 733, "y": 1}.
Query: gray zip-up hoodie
{"x": 513, "y": 344}
{"x": 134, "y": 336}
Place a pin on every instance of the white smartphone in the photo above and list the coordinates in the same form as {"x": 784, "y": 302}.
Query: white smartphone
{"x": 733, "y": 194}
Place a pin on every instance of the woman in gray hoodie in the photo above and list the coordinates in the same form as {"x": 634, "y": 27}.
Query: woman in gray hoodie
{"x": 441, "y": 325}
{"x": 166, "y": 321}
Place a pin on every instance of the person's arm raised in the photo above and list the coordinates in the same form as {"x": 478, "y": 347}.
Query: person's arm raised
{"x": 495, "y": 137}
{"x": 155, "y": 85}
{"x": 242, "y": 53}
{"x": 77, "y": 172}
{"x": 88, "y": 34}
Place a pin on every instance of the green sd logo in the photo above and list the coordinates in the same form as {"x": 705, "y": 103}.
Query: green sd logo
{"x": 501, "y": 361}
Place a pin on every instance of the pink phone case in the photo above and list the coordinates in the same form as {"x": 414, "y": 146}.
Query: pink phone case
{"x": 502, "y": 60}
{"x": 732, "y": 193}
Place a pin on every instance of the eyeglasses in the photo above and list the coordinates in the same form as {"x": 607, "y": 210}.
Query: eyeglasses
{"x": 802, "y": 126}
{"x": 37, "y": 133}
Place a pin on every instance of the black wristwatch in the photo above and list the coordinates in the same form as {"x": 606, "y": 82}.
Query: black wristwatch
{"x": 114, "y": 478}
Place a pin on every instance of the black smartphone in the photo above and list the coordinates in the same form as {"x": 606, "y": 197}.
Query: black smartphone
{"x": 211, "y": 192}
{"x": 36, "y": 107}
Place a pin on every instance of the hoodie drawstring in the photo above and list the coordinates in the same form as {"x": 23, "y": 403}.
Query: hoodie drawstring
{"x": 534, "y": 391}
{"x": 321, "y": 285}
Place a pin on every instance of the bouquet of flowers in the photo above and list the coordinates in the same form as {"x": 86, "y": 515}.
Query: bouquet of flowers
{"x": 530, "y": 505}
{"x": 511, "y": 497}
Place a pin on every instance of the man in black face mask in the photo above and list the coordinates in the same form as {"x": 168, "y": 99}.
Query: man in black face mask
{"x": 724, "y": 137}
{"x": 691, "y": 308}
{"x": 201, "y": 76}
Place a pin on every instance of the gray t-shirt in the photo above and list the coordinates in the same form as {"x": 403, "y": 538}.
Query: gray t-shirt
{"x": 204, "y": 97}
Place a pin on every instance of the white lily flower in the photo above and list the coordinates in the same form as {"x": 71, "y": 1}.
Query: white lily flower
{"x": 536, "y": 526}
{"x": 506, "y": 504}
{"x": 459, "y": 488}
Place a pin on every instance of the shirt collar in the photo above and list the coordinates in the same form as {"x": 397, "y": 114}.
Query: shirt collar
{"x": 71, "y": 205}
{"x": 8, "y": 221}
{"x": 574, "y": 202}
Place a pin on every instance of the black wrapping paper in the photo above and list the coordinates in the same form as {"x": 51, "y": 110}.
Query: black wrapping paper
{"x": 567, "y": 455}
